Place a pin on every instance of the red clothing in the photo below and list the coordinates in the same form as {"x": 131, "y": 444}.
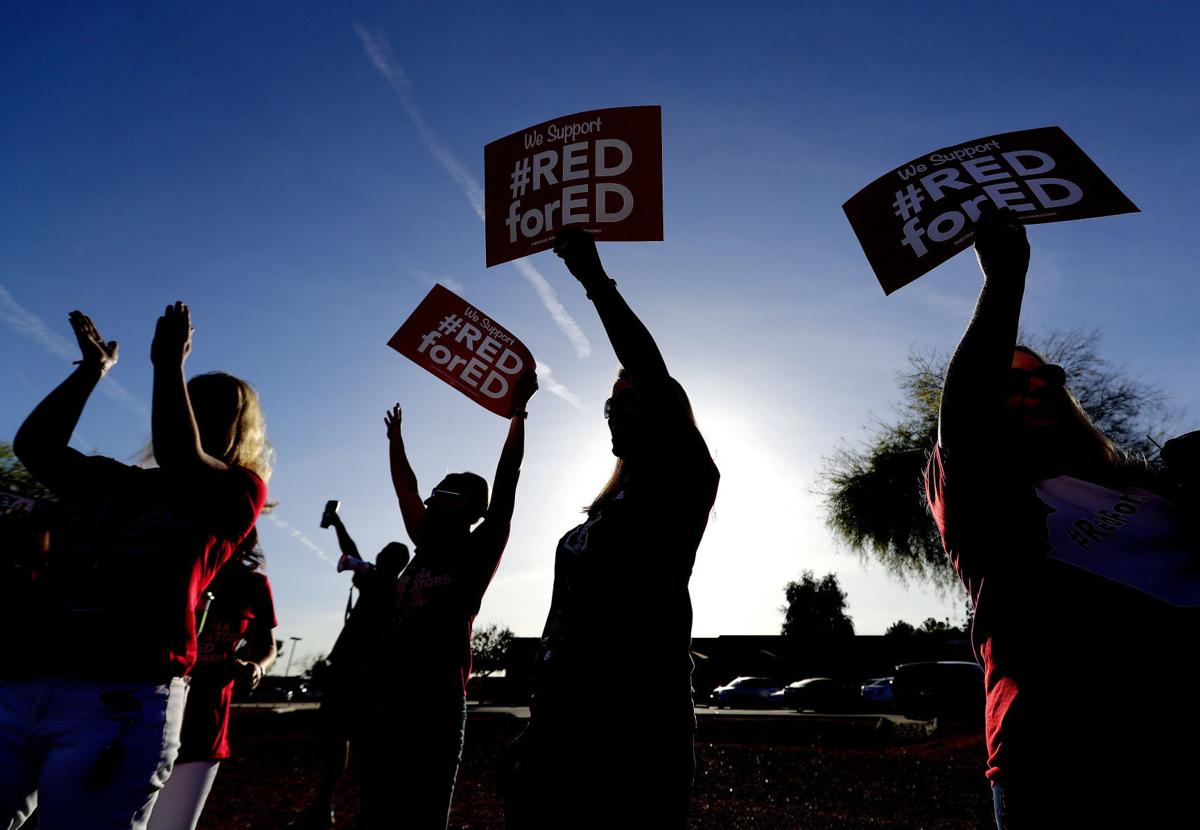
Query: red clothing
{"x": 1085, "y": 622}
{"x": 427, "y": 648}
{"x": 241, "y": 601}
{"x": 127, "y": 577}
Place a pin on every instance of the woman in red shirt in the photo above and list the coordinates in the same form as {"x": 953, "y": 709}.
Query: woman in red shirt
{"x": 90, "y": 716}
{"x": 1083, "y": 571}
{"x": 236, "y": 609}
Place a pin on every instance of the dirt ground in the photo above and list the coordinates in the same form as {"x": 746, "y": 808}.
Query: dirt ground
{"x": 749, "y": 775}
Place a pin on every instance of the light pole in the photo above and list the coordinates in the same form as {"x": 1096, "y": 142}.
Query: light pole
{"x": 288, "y": 669}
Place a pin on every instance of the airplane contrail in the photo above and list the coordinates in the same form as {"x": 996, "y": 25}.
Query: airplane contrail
{"x": 380, "y": 54}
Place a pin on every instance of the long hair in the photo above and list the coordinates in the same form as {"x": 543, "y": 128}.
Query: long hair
{"x": 231, "y": 421}
{"x": 1090, "y": 446}
{"x": 623, "y": 468}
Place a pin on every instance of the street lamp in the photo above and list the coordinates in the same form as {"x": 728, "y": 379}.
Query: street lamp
{"x": 288, "y": 669}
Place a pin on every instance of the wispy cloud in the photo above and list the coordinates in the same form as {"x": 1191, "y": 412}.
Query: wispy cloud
{"x": 433, "y": 279}
{"x": 274, "y": 519}
{"x": 380, "y": 53}
{"x": 27, "y": 324}
{"x": 20, "y": 320}
{"x": 546, "y": 380}
{"x": 559, "y": 314}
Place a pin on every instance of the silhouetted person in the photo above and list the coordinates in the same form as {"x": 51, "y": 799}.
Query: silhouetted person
{"x": 353, "y": 663}
{"x": 236, "y": 609}
{"x": 412, "y": 738}
{"x": 621, "y": 605}
{"x": 1083, "y": 572}
{"x": 90, "y": 720}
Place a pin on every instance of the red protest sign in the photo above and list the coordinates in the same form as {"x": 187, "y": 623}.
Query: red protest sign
{"x": 601, "y": 170}
{"x": 464, "y": 347}
{"x": 919, "y": 215}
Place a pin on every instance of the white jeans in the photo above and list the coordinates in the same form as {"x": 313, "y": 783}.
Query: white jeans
{"x": 95, "y": 754}
{"x": 180, "y": 803}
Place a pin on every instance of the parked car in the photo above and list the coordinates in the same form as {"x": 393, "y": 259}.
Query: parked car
{"x": 943, "y": 689}
{"x": 818, "y": 694}
{"x": 274, "y": 689}
{"x": 878, "y": 690}
{"x": 745, "y": 692}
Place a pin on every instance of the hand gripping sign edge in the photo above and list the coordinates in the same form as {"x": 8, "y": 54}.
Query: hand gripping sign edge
{"x": 465, "y": 348}
{"x": 1007, "y": 169}
{"x": 598, "y": 169}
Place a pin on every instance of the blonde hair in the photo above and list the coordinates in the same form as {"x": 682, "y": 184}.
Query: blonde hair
{"x": 231, "y": 421}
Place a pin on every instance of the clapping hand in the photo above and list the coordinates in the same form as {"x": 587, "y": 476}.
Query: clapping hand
{"x": 94, "y": 350}
{"x": 172, "y": 336}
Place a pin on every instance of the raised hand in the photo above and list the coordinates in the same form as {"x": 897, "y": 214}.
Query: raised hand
{"x": 1000, "y": 243}
{"x": 172, "y": 336}
{"x": 392, "y": 421}
{"x": 94, "y": 350}
{"x": 525, "y": 388}
{"x": 577, "y": 250}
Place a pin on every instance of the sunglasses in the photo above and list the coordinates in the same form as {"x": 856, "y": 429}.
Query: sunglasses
{"x": 1017, "y": 380}
{"x": 442, "y": 491}
{"x": 627, "y": 400}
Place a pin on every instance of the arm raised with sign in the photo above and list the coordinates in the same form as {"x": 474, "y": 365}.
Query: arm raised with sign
{"x": 404, "y": 480}
{"x": 972, "y": 395}
{"x": 631, "y": 340}
{"x": 508, "y": 469}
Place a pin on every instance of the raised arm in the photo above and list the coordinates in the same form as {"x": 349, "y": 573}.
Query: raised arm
{"x": 345, "y": 543}
{"x": 972, "y": 394}
{"x": 508, "y": 470}
{"x": 404, "y": 480}
{"x": 42, "y": 441}
{"x": 631, "y": 340}
{"x": 173, "y": 429}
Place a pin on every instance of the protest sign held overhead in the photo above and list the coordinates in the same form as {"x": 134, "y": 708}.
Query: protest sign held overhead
{"x": 601, "y": 170}
{"x": 464, "y": 347}
{"x": 919, "y": 215}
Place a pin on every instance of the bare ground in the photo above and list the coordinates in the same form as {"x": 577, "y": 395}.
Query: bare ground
{"x": 749, "y": 775}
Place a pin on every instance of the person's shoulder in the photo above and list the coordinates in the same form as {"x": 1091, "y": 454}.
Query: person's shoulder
{"x": 102, "y": 465}
{"x": 490, "y": 532}
{"x": 247, "y": 481}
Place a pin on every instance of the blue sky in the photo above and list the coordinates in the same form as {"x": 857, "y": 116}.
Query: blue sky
{"x": 257, "y": 163}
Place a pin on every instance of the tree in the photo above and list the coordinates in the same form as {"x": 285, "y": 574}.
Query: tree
{"x": 816, "y": 610}
{"x": 312, "y": 665}
{"x": 874, "y": 493}
{"x": 900, "y": 628}
{"x": 14, "y": 478}
{"x": 489, "y": 647}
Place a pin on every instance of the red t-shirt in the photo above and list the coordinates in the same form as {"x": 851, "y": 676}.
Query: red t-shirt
{"x": 1086, "y": 619}
{"x": 127, "y": 576}
{"x": 427, "y": 648}
{"x": 241, "y": 601}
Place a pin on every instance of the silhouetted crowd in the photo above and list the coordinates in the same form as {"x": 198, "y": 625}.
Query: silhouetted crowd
{"x": 135, "y": 602}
